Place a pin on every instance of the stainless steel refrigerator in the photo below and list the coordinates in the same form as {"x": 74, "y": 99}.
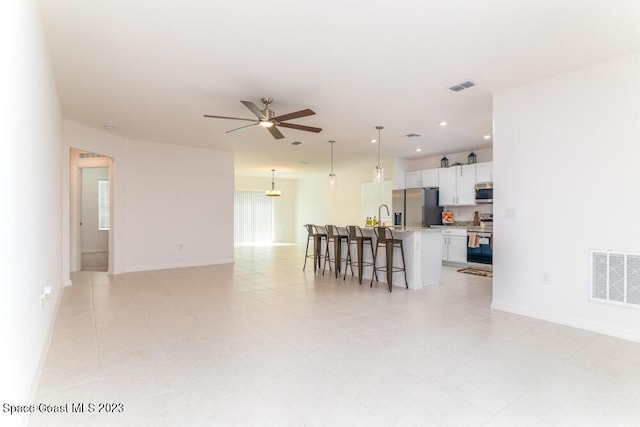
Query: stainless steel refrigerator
{"x": 416, "y": 207}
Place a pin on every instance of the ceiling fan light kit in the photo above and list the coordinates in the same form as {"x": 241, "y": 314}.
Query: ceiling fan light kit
{"x": 268, "y": 119}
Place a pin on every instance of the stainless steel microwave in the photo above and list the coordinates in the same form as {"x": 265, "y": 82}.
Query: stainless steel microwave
{"x": 484, "y": 192}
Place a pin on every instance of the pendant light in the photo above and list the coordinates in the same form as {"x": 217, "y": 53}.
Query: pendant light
{"x": 273, "y": 192}
{"x": 333, "y": 183}
{"x": 378, "y": 172}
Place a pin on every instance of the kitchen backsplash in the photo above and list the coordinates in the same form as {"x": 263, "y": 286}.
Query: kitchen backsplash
{"x": 465, "y": 213}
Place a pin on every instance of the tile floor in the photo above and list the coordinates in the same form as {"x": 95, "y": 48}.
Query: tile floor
{"x": 95, "y": 261}
{"x": 261, "y": 343}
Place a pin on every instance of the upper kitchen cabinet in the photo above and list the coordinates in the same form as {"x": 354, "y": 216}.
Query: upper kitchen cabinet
{"x": 430, "y": 178}
{"x": 424, "y": 178}
{"x": 413, "y": 179}
{"x": 484, "y": 172}
{"x": 457, "y": 185}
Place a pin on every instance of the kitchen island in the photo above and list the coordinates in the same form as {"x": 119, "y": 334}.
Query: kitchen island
{"x": 422, "y": 253}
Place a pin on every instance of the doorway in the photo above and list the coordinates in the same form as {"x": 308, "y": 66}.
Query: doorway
{"x": 94, "y": 219}
{"x": 91, "y": 211}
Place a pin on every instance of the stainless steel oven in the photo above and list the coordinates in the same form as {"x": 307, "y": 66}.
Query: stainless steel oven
{"x": 484, "y": 192}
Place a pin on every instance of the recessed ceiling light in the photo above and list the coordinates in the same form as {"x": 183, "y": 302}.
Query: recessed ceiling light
{"x": 487, "y": 137}
{"x": 373, "y": 141}
{"x": 418, "y": 150}
{"x": 443, "y": 123}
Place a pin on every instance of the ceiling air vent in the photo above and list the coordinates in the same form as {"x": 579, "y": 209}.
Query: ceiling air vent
{"x": 296, "y": 143}
{"x": 412, "y": 135}
{"x": 462, "y": 86}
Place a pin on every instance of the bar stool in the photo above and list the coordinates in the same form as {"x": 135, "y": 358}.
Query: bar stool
{"x": 315, "y": 235}
{"x": 334, "y": 236}
{"x": 385, "y": 238}
{"x": 354, "y": 233}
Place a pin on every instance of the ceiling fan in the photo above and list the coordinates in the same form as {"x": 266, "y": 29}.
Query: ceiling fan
{"x": 268, "y": 119}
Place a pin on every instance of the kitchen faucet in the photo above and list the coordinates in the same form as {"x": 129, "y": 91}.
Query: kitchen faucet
{"x": 380, "y": 211}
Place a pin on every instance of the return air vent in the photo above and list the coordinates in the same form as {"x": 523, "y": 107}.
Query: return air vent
{"x": 462, "y": 86}
{"x": 90, "y": 155}
{"x": 615, "y": 277}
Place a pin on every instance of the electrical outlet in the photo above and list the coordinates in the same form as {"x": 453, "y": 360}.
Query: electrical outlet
{"x": 545, "y": 278}
{"x": 46, "y": 293}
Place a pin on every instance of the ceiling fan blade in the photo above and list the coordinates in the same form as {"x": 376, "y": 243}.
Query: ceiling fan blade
{"x": 231, "y": 118}
{"x": 300, "y": 127}
{"x": 254, "y": 109}
{"x": 241, "y": 127}
{"x": 297, "y": 114}
{"x": 275, "y": 132}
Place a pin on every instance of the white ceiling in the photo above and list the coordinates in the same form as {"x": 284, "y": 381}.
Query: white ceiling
{"x": 152, "y": 68}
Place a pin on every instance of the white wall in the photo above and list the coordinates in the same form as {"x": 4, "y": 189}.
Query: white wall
{"x": 173, "y": 205}
{"x": 566, "y": 154}
{"x": 284, "y": 207}
{"x": 30, "y": 182}
{"x": 483, "y": 155}
{"x": 93, "y": 239}
{"x": 341, "y": 206}
{"x": 178, "y": 206}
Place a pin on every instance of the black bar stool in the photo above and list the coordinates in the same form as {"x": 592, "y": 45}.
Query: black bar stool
{"x": 334, "y": 236}
{"x": 315, "y": 235}
{"x": 354, "y": 233}
{"x": 384, "y": 237}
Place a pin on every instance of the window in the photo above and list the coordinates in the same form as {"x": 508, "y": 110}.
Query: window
{"x": 103, "y": 204}
{"x": 253, "y": 218}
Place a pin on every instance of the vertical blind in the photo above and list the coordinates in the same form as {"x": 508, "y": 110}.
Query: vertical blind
{"x": 253, "y": 217}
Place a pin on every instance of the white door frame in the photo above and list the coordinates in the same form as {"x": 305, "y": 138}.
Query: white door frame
{"x": 75, "y": 187}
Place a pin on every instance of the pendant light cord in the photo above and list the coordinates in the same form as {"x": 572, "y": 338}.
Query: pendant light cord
{"x": 332, "y": 142}
{"x": 379, "y": 142}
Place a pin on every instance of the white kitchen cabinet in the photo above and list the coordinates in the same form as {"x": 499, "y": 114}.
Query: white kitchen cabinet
{"x": 457, "y": 185}
{"x": 454, "y": 246}
{"x": 413, "y": 179}
{"x": 430, "y": 178}
{"x": 484, "y": 172}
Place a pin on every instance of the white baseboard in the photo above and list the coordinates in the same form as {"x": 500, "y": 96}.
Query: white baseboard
{"x": 45, "y": 350}
{"x": 624, "y": 333}
{"x": 177, "y": 265}
{"x": 95, "y": 251}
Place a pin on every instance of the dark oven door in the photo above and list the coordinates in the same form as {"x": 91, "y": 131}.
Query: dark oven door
{"x": 483, "y": 254}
